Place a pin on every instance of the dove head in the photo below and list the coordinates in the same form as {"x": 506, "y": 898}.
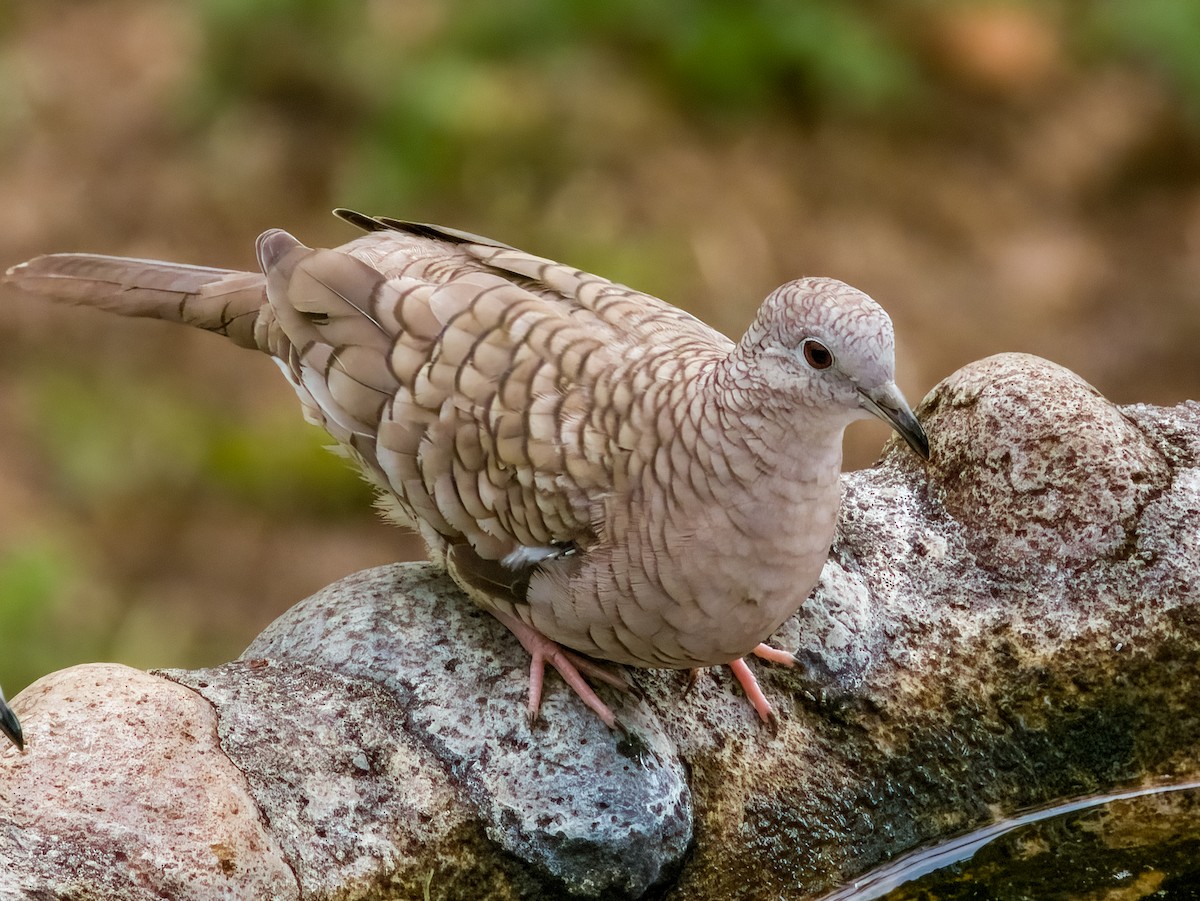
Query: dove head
{"x": 824, "y": 347}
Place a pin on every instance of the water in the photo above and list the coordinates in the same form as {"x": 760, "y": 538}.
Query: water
{"x": 1143, "y": 843}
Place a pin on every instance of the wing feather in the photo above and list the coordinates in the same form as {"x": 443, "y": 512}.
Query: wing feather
{"x": 495, "y": 383}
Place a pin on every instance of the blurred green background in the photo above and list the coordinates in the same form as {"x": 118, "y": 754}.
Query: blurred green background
{"x": 1001, "y": 176}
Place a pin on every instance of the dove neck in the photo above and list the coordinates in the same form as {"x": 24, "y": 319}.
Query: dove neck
{"x": 784, "y": 438}
{"x": 756, "y": 525}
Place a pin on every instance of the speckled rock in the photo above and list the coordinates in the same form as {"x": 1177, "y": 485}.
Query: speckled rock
{"x": 982, "y": 639}
{"x": 123, "y": 793}
{"x": 1015, "y": 622}
{"x": 358, "y": 807}
{"x": 586, "y": 812}
{"x": 1066, "y": 484}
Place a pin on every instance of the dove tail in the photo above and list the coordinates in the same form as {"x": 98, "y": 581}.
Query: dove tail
{"x": 225, "y": 301}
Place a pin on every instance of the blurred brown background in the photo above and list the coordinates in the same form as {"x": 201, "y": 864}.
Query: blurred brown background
{"x": 1001, "y": 176}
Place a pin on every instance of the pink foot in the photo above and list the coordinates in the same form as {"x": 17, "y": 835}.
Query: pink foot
{"x": 745, "y": 677}
{"x": 775, "y": 655}
{"x": 758, "y": 700}
{"x": 571, "y": 666}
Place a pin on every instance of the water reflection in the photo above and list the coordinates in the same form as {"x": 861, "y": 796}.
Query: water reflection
{"x": 1143, "y": 843}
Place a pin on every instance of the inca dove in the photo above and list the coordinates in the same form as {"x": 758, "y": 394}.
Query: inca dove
{"x": 598, "y": 469}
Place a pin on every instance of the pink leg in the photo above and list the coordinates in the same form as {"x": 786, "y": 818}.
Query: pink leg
{"x": 745, "y": 677}
{"x": 597, "y": 671}
{"x": 775, "y": 655}
{"x": 571, "y": 666}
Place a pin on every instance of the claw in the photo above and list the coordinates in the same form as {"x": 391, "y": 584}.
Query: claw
{"x": 571, "y": 666}
{"x": 762, "y": 706}
{"x": 775, "y": 655}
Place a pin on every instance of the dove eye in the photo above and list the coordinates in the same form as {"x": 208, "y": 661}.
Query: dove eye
{"x": 816, "y": 354}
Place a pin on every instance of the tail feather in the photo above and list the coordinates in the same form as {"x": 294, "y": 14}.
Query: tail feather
{"x": 225, "y": 301}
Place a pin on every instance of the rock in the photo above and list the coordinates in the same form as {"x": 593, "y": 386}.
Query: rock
{"x": 573, "y": 807}
{"x": 1059, "y": 479}
{"x": 1015, "y": 623}
{"x": 123, "y": 793}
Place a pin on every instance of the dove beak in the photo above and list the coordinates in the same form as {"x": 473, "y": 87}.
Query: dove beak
{"x": 9, "y": 724}
{"x": 888, "y": 404}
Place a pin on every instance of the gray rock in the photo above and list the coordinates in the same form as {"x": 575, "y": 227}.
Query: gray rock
{"x": 1016, "y": 622}
{"x": 390, "y": 662}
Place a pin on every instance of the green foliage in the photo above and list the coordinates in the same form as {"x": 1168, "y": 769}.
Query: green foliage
{"x": 122, "y": 437}
{"x": 714, "y": 54}
{"x": 1163, "y": 35}
{"x": 416, "y": 91}
{"x": 717, "y": 53}
{"x": 425, "y": 96}
{"x": 118, "y": 444}
{"x": 279, "y": 462}
{"x": 773, "y": 53}
{"x": 38, "y": 582}
{"x": 32, "y": 575}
